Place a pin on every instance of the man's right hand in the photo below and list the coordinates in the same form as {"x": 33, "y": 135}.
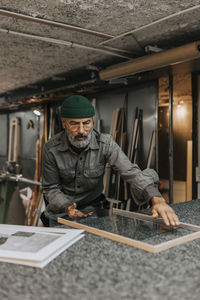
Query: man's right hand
{"x": 74, "y": 213}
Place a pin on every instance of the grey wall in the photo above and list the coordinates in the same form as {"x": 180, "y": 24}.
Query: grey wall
{"x": 144, "y": 97}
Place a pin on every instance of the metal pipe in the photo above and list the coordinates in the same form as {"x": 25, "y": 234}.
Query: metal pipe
{"x": 62, "y": 42}
{"x": 18, "y": 178}
{"x": 171, "y": 152}
{"x": 151, "y": 24}
{"x": 11, "y": 14}
{"x": 153, "y": 61}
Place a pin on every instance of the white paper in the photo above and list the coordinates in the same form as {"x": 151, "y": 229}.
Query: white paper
{"x": 34, "y": 246}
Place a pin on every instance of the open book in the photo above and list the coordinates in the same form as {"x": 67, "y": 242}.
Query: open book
{"x": 34, "y": 246}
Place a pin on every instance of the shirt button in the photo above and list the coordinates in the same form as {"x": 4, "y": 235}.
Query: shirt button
{"x": 78, "y": 186}
{"x": 80, "y": 158}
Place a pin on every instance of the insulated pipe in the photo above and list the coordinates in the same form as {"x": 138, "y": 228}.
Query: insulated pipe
{"x": 62, "y": 42}
{"x": 15, "y": 15}
{"x": 154, "y": 61}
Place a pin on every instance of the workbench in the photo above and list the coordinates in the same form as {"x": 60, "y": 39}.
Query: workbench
{"x": 96, "y": 268}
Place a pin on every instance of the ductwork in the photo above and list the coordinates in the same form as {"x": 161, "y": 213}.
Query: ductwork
{"x": 153, "y": 61}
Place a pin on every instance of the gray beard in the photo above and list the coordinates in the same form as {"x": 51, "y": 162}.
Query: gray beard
{"x": 79, "y": 144}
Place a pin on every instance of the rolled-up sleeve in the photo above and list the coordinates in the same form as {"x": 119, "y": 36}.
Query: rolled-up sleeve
{"x": 52, "y": 188}
{"x": 143, "y": 184}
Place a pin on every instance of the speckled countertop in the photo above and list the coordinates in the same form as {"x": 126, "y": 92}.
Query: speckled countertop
{"x": 97, "y": 268}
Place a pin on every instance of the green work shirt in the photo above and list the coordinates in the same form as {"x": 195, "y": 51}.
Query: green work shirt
{"x": 70, "y": 177}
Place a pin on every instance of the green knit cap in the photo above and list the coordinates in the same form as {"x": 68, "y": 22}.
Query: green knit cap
{"x": 77, "y": 106}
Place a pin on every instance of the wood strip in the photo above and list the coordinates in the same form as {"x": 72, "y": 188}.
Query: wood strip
{"x": 176, "y": 242}
{"x": 121, "y": 144}
{"x": 140, "y": 116}
{"x": 109, "y": 235}
{"x": 139, "y": 216}
{"x": 28, "y": 18}
{"x": 130, "y": 154}
{"x": 151, "y": 149}
{"x": 106, "y": 179}
{"x": 45, "y": 124}
{"x": 190, "y": 226}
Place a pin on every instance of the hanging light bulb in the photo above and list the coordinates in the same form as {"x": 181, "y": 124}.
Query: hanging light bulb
{"x": 37, "y": 112}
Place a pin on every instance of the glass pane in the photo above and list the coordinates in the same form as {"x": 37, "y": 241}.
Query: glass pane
{"x": 145, "y": 231}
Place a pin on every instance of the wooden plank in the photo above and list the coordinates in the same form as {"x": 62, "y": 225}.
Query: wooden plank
{"x": 189, "y": 172}
{"x": 106, "y": 179}
{"x": 45, "y": 124}
{"x": 109, "y": 235}
{"x": 130, "y": 156}
{"x": 151, "y": 149}
{"x": 121, "y": 144}
{"x": 176, "y": 242}
{"x": 133, "y": 137}
{"x": 140, "y": 116}
{"x": 143, "y": 217}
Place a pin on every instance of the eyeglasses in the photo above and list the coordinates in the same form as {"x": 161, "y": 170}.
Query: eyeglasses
{"x": 87, "y": 125}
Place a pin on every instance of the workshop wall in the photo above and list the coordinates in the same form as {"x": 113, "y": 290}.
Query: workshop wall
{"x": 143, "y": 96}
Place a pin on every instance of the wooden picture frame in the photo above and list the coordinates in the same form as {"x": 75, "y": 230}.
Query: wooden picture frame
{"x": 135, "y": 243}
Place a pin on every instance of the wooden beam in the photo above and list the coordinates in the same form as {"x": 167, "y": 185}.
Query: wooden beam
{"x": 177, "y": 242}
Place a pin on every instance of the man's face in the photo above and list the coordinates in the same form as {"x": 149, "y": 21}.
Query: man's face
{"x": 78, "y": 130}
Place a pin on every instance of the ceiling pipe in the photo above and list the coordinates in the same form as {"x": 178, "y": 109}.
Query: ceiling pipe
{"x": 153, "y": 61}
{"x": 65, "y": 43}
{"x": 11, "y": 14}
{"x": 151, "y": 24}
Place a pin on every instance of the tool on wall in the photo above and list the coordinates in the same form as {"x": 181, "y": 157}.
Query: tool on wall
{"x": 12, "y": 165}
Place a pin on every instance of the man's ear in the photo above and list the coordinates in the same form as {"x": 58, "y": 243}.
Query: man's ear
{"x": 63, "y": 122}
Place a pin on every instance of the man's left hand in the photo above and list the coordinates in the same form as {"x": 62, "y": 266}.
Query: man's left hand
{"x": 74, "y": 213}
{"x": 160, "y": 207}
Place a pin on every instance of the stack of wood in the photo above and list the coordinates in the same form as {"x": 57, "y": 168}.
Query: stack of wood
{"x": 35, "y": 204}
{"x": 36, "y": 201}
{"x": 114, "y": 186}
{"x": 112, "y": 181}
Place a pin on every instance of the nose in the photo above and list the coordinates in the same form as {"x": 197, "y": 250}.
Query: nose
{"x": 81, "y": 129}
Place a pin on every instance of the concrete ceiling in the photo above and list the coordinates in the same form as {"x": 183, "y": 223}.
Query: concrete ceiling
{"x": 103, "y": 33}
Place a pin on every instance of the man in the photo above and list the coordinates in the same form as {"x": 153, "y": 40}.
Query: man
{"x": 74, "y": 164}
